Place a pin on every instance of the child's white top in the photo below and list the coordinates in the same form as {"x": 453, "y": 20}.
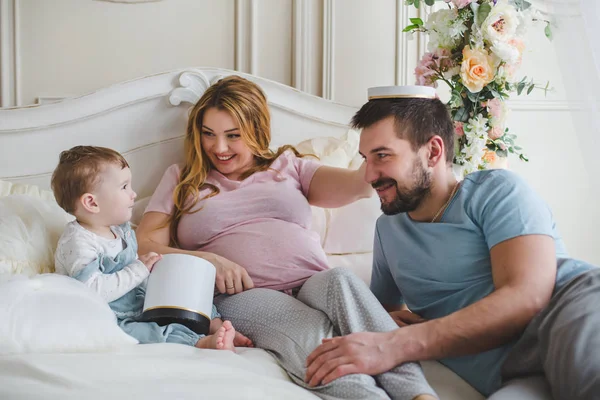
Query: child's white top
{"x": 78, "y": 247}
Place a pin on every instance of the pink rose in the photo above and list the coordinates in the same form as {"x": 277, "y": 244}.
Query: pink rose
{"x": 495, "y": 108}
{"x": 496, "y": 132}
{"x": 520, "y": 46}
{"x": 461, "y": 3}
{"x": 497, "y": 117}
{"x": 459, "y": 129}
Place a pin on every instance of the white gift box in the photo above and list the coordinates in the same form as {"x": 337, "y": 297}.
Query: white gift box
{"x": 180, "y": 290}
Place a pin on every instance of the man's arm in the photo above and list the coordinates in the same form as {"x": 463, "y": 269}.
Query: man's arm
{"x": 524, "y": 272}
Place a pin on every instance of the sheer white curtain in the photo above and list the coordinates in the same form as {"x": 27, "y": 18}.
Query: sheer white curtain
{"x": 577, "y": 43}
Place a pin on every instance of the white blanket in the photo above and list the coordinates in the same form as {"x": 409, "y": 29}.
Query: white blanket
{"x": 170, "y": 371}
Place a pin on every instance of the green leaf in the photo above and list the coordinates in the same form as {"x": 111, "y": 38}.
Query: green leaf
{"x": 474, "y": 97}
{"x": 417, "y": 3}
{"x": 416, "y": 21}
{"x": 520, "y": 87}
{"x": 461, "y": 115}
{"x": 456, "y": 100}
{"x": 522, "y": 157}
{"x": 410, "y": 28}
{"x": 483, "y": 12}
{"x": 522, "y": 5}
{"x": 429, "y": 2}
{"x": 548, "y": 31}
{"x": 518, "y": 148}
{"x": 502, "y": 153}
{"x": 531, "y": 87}
{"x": 496, "y": 94}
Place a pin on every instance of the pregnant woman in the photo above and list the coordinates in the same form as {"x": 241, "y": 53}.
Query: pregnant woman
{"x": 246, "y": 209}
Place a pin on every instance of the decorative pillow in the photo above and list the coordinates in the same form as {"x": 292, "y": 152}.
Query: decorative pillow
{"x": 351, "y": 228}
{"x": 30, "y": 226}
{"x": 55, "y": 313}
{"x": 348, "y": 229}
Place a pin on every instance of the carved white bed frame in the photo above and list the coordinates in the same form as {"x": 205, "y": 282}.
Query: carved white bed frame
{"x": 145, "y": 120}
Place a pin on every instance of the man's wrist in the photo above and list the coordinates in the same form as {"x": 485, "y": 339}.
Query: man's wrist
{"x": 408, "y": 344}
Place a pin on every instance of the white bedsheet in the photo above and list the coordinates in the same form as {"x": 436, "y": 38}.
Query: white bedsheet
{"x": 170, "y": 371}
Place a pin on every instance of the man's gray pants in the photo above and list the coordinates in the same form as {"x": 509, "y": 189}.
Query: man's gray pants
{"x": 561, "y": 343}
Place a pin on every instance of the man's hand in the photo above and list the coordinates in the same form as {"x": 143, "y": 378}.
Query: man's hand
{"x": 358, "y": 353}
{"x": 405, "y": 317}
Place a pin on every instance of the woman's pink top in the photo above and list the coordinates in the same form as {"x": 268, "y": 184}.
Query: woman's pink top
{"x": 261, "y": 223}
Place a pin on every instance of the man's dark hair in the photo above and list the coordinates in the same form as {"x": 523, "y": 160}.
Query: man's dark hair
{"x": 416, "y": 120}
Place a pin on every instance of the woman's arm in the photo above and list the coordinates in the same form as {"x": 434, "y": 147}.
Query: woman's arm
{"x": 153, "y": 235}
{"x": 335, "y": 187}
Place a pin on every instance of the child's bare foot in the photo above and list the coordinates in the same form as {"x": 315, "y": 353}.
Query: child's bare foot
{"x": 240, "y": 340}
{"x": 222, "y": 339}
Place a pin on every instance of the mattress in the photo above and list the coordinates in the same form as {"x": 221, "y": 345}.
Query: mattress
{"x": 159, "y": 371}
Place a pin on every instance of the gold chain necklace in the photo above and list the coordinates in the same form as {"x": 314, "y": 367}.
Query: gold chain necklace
{"x": 447, "y": 202}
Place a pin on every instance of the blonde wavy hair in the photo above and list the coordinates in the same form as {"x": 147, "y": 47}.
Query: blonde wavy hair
{"x": 247, "y": 105}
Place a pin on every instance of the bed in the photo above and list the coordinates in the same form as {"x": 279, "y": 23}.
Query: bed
{"x": 145, "y": 120}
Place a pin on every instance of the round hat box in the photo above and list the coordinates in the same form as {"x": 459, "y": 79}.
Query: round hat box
{"x": 180, "y": 290}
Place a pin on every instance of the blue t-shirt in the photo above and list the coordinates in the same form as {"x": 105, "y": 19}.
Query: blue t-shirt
{"x": 438, "y": 269}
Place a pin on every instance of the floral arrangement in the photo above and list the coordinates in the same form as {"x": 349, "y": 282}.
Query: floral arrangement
{"x": 475, "y": 47}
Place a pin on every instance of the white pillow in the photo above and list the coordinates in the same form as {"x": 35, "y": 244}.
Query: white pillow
{"x": 7, "y": 188}
{"x": 348, "y": 229}
{"x": 333, "y": 152}
{"x": 30, "y": 226}
{"x": 55, "y": 313}
{"x": 351, "y": 228}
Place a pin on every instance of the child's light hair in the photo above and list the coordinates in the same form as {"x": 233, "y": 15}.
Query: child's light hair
{"x": 78, "y": 172}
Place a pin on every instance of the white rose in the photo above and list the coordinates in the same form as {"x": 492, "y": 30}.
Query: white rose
{"x": 506, "y": 52}
{"x": 501, "y": 23}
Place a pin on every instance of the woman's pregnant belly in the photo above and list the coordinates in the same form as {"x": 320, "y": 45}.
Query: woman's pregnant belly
{"x": 277, "y": 254}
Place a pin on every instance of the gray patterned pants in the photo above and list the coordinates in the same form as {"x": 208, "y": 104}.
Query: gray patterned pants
{"x": 330, "y": 303}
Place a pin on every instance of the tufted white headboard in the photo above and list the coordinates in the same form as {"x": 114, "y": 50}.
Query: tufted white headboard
{"x": 145, "y": 120}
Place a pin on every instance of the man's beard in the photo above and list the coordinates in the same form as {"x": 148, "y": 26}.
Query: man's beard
{"x": 409, "y": 199}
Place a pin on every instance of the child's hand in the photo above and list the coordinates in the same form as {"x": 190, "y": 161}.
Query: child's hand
{"x": 150, "y": 259}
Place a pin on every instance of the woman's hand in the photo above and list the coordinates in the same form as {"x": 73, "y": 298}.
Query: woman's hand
{"x": 231, "y": 278}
